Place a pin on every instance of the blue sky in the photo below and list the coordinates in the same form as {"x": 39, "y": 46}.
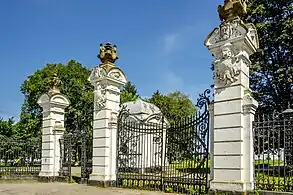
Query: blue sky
{"x": 160, "y": 42}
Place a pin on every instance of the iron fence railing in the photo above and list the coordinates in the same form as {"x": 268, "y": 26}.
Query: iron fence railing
{"x": 155, "y": 154}
{"x": 19, "y": 157}
{"x": 273, "y": 151}
{"x": 76, "y": 156}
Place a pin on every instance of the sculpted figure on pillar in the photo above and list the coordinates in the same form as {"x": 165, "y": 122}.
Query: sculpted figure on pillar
{"x": 227, "y": 65}
{"x": 232, "y": 42}
{"x": 100, "y": 96}
{"x": 55, "y": 84}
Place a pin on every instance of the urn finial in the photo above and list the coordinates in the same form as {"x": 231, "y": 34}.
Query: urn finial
{"x": 108, "y": 53}
{"x": 232, "y": 9}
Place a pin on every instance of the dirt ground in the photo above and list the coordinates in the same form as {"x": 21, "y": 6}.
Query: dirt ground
{"x": 66, "y": 189}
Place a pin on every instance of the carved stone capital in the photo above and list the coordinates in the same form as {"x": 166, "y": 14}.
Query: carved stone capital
{"x": 250, "y": 104}
{"x": 106, "y": 81}
{"x": 100, "y": 74}
{"x": 97, "y": 74}
{"x": 114, "y": 118}
{"x": 235, "y": 32}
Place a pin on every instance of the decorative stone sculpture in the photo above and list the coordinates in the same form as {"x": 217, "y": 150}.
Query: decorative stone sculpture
{"x": 227, "y": 65}
{"x": 97, "y": 73}
{"x": 56, "y": 84}
{"x": 100, "y": 96}
{"x": 232, "y": 30}
{"x": 232, "y": 9}
{"x": 108, "y": 53}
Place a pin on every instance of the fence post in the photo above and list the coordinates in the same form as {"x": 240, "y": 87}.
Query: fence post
{"x": 231, "y": 43}
{"x": 53, "y": 104}
{"x": 288, "y": 145}
{"x": 107, "y": 80}
{"x": 211, "y": 113}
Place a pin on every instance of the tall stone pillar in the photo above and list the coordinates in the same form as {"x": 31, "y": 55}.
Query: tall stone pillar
{"x": 107, "y": 80}
{"x": 231, "y": 44}
{"x": 53, "y": 104}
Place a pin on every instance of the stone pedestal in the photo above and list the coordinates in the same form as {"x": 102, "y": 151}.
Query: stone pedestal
{"x": 232, "y": 165}
{"x": 53, "y": 105}
{"x": 107, "y": 83}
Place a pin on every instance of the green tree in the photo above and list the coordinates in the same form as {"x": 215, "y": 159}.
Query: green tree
{"x": 176, "y": 107}
{"x": 7, "y": 127}
{"x": 128, "y": 93}
{"x": 74, "y": 85}
{"x": 272, "y": 70}
{"x": 173, "y": 105}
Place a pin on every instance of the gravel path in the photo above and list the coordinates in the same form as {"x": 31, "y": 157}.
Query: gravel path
{"x": 66, "y": 189}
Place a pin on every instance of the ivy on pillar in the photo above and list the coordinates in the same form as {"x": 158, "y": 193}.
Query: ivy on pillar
{"x": 107, "y": 80}
{"x": 232, "y": 43}
{"x": 53, "y": 104}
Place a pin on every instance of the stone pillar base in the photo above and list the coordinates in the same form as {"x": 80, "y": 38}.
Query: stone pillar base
{"x": 46, "y": 174}
{"x": 52, "y": 179}
{"x": 96, "y": 180}
{"x": 233, "y": 187}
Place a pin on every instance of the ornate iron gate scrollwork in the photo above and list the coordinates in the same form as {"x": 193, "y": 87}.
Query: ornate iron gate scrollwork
{"x": 169, "y": 156}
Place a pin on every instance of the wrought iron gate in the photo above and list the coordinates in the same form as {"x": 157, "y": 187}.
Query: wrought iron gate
{"x": 76, "y": 156}
{"x": 273, "y": 151}
{"x": 168, "y": 156}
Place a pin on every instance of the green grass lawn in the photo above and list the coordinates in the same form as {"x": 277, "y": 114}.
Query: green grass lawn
{"x": 189, "y": 164}
{"x": 272, "y": 183}
{"x": 269, "y": 162}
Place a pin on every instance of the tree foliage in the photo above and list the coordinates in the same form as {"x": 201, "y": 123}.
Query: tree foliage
{"x": 176, "y": 106}
{"x": 128, "y": 93}
{"x": 79, "y": 114}
{"x": 7, "y": 127}
{"x": 272, "y": 70}
{"x": 173, "y": 105}
{"x": 74, "y": 85}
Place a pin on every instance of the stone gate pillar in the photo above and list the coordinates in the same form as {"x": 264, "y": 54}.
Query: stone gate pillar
{"x": 107, "y": 80}
{"x": 231, "y": 44}
{"x": 53, "y": 104}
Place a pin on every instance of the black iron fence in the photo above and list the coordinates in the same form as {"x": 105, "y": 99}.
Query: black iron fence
{"x": 273, "y": 150}
{"x": 154, "y": 154}
{"x": 76, "y": 156}
{"x": 19, "y": 157}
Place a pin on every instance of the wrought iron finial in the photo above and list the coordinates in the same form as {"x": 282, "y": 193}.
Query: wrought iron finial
{"x": 108, "y": 53}
{"x": 232, "y": 9}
